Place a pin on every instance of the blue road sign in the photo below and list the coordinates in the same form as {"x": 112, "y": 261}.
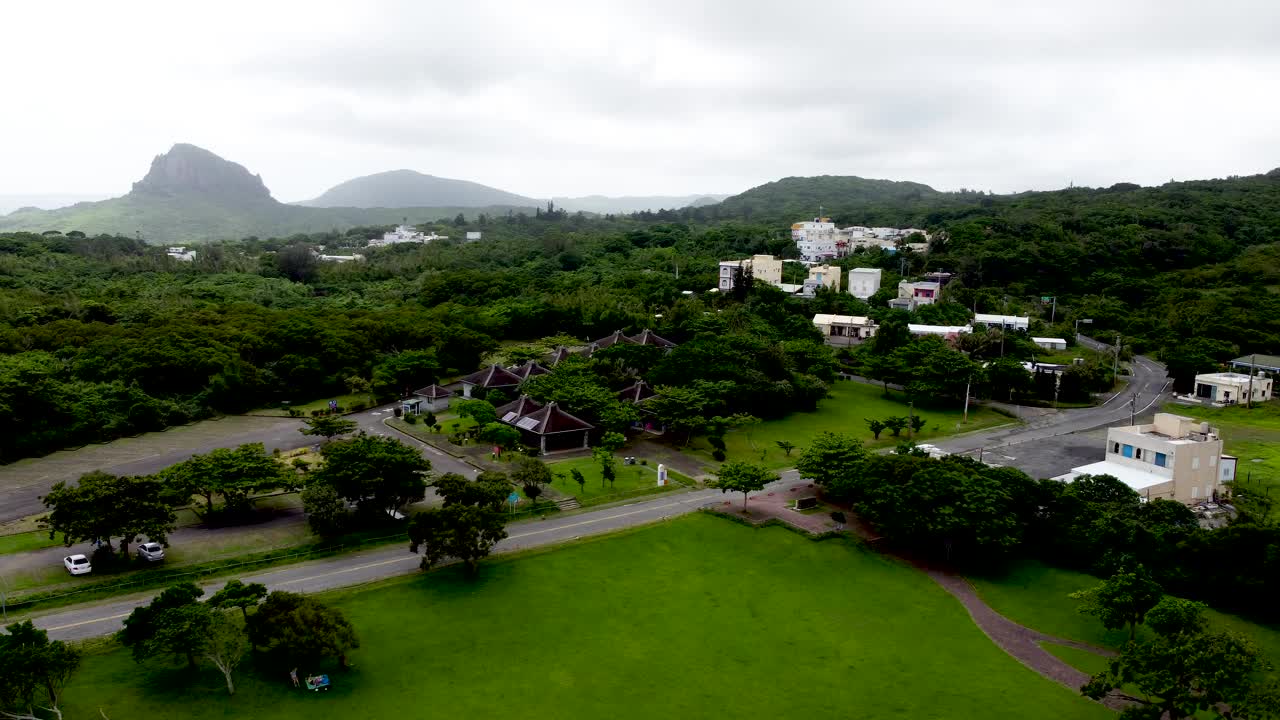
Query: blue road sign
{"x": 513, "y": 498}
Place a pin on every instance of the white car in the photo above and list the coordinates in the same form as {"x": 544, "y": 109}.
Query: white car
{"x": 151, "y": 551}
{"x": 77, "y": 564}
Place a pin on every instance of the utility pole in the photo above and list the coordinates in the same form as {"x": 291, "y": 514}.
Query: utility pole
{"x": 911, "y": 415}
{"x": 1053, "y": 314}
{"x": 966, "y": 399}
{"x": 1133, "y": 407}
{"x": 1253, "y": 368}
{"x": 1115, "y": 363}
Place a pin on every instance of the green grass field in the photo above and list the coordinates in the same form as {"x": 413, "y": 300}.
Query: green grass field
{"x": 22, "y": 542}
{"x": 631, "y": 480}
{"x": 1253, "y": 435}
{"x": 697, "y": 617}
{"x": 846, "y": 411}
{"x": 1036, "y": 595}
{"x": 344, "y": 401}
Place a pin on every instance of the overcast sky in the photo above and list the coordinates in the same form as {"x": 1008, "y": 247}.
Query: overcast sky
{"x": 554, "y": 98}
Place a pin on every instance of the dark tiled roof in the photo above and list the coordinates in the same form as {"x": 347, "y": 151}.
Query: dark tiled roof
{"x": 610, "y": 340}
{"x": 647, "y": 337}
{"x": 637, "y": 393}
{"x": 492, "y": 377}
{"x": 516, "y": 409}
{"x": 433, "y": 392}
{"x": 557, "y": 355}
{"x": 528, "y": 370}
{"x": 551, "y": 420}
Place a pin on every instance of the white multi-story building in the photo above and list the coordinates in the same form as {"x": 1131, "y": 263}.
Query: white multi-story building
{"x": 473, "y": 235}
{"x": 1175, "y": 457}
{"x": 815, "y": 239}
{"x": 864, "y": 282}
{"x": 178, "y": 252}
{"x": 765, "y": 268}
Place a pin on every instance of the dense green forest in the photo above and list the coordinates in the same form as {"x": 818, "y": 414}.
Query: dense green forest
{"x": 105, "y": 336}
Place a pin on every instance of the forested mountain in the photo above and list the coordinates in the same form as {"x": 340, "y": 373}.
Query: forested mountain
{"x": 191, "y": 195}
{"x": 409, "y": 189}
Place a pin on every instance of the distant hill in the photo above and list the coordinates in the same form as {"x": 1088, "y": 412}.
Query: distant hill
{"x": 190, "y": 194}
{"x": 45, "y": 201}
{"x": 634, "y": 203}
{"x": 801, "y": 197}
{"x": 408, "y": 188}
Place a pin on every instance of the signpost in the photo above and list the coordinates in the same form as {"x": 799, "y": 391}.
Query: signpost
{"x": 513, "y": 498}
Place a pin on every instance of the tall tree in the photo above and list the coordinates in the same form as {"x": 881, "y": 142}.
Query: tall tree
{"x": 834, "y": 462}
{"x": 174, "y": 622}
{"x": 465, "y": 532}
{"x": 101, "y": 506}
{"x": 233, "y": 474}
{"x": 225, "y": 645}
{"x": 327, "y": 426}
{"x": 379, "y": 474}
{"x": 1123, "y": 599}
{"x": 531, "y": 474}
{"x": 1186, "y": 670}
{"x": 300, "y": 629}
{"x": 743, "y": 477}
{"x": 236, "y": 593}
{"x": 32, "y": 666}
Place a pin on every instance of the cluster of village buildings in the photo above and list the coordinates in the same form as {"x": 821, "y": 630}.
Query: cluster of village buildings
{"x": 549, "y": 426}
{"x": 819, "y": 239}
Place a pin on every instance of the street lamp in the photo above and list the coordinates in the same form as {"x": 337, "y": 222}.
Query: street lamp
{"x": 1086, "y": 321}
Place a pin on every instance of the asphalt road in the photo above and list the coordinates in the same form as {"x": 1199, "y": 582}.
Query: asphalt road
{"x": 1054, "y": 443}
{"x": 87, "y": 621}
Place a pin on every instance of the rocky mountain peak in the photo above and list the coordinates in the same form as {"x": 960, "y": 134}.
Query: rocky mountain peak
{"x": 187, "y": 169}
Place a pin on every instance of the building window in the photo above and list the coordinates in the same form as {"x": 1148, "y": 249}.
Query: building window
{"x": 1195, "y": 464}
{"x": 1213, "y": 461}
{"x": 1127, "y": 451}
{"x": 1137, "y": 454}
{"x": 1115, "y": 448}
{"x": 1195, "y": 492}
{"x": 1161, "y": 460}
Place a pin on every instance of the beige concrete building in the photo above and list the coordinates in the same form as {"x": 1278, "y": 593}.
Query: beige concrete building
{"x": 1175, "y": 458}
{"x": 764, "y": 268}
{"x": 1230, "y": 388}
{"x": 844, "y": 330}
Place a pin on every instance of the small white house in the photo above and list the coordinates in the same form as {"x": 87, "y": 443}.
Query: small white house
{"x": 864, "y": 282}
{"x": 844, "y": 330}
{"x": 1008, "y": 322}
{"x": 1231, "y": 388}
{"x": 180, "y": 253}
{"x": 1050, "y": 343}
{"x": 473, "y": 235}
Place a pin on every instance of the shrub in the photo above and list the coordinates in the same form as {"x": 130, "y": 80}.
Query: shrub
{"x": 718, "y": 455}
{"x": 837, "y": 516}
{"x": 317, "y": 413}
{"x": 357, "y": 407}
{"x": 411, "y": 419}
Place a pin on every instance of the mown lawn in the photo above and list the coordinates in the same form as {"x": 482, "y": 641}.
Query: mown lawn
{"x": 697, "y": 617}
{"x": 22, "y": 542}
{"x": 1253, "y": 435}
{"x": 346, "y": 402}
{"x": 1036, "y": 595}
{"x": 846, "y": 411}
{"x": 631, "y": 480}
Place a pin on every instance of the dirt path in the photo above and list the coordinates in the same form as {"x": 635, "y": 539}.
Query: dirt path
{"x": 1023, "y": 643}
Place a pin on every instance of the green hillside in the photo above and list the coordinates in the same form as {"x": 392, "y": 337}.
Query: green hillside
{"x": 410, "y": 189}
